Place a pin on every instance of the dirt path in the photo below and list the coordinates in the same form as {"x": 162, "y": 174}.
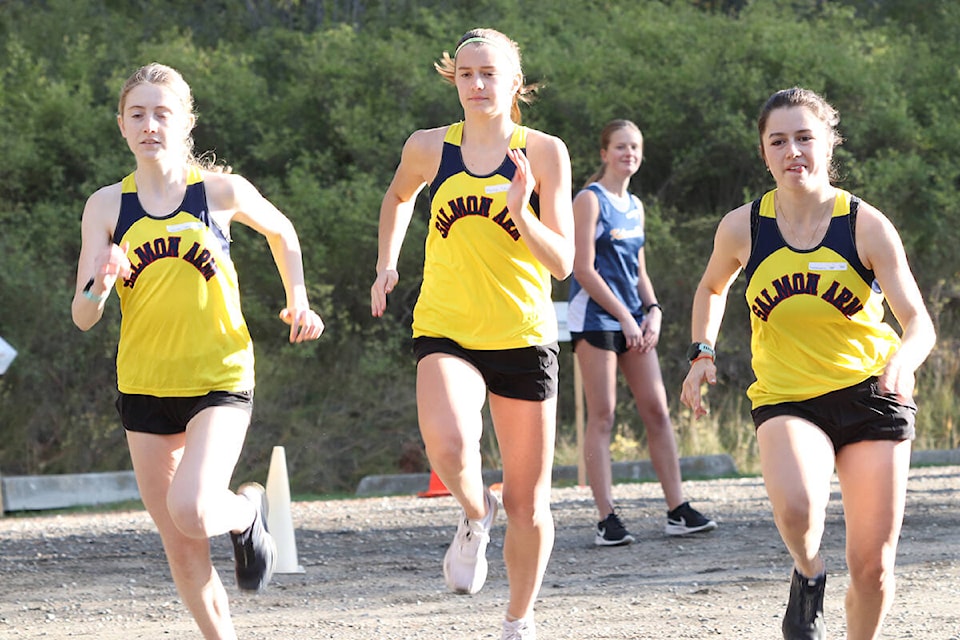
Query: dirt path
{"x": 373, "y": 571}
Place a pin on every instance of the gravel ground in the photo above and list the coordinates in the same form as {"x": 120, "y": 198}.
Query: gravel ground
{"x": 373, "y": 570}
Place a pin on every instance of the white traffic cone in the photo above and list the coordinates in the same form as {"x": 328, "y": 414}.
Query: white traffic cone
{"x": 279, "y": 519}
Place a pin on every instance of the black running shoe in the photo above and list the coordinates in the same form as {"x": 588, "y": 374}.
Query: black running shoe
{"x": 254, "y": 550}
{"x": 804, "y": 617}
{"x": 685, "y": 519}
{"x": 611, "y": 532}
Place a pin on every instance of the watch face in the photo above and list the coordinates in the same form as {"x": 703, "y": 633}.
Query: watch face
{"x": 696, "y": 349}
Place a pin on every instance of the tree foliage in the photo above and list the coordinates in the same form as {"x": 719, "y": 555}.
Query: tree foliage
{"x": 312, "y": 101}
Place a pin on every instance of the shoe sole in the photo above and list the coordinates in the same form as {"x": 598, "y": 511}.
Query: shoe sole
{"x": 683, "y": 530}
{"x": 481, "y": 573}
{"x": 603, "y": 542}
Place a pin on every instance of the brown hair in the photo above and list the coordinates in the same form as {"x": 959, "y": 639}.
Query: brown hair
{"x": 605, "y": 134}
{"x": 447, "y": 66}
{"x": 170, "y": 78}
{"x": 818, "y": 106}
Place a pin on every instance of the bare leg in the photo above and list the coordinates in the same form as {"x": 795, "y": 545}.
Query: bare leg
{"x": 450, "y": 396}
{"x": 797, "y": 461}
{"x": 599, "y": 368}
{"x": 526, "y": 431}
{"x": 873, "y": 478}
{"x": 183, "y": 481}
{"x": 642, "y": 371}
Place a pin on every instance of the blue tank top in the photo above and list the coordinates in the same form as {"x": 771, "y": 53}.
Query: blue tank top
{"x": 619, "y": 238}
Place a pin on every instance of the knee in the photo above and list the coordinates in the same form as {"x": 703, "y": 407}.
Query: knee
{"x": 871, "y": 575}
{"x": 600, "y": 421}
{"x": 657, "y": 421}
{"x": 450, "y": 453}
{"x": 527, "y": 511}
{"x": 188, "y": 513}
{"x": 797, "y": 514}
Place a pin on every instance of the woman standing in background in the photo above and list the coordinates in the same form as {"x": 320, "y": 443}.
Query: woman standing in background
{"x": 614, "y": 321}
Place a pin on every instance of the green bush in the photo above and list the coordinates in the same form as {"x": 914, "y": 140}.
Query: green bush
{"x": 313, "y": 100}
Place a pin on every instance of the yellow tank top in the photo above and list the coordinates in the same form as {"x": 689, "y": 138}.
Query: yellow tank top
{"x": 182, "y": 333}
{"x": 482, "y": 288}
{"x": 816, "y": 315}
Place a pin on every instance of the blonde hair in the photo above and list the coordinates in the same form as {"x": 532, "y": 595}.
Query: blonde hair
{"x": 169, "y": 78}
{"x": 605, "y": 135}
{"x": 447, "y": 65}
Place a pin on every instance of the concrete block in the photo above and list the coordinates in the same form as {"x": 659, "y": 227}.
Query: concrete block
{"x": 408, "y": 483}
{"x": 935, "y": 457}
{"x": 30, "y": 493}
{"x": 34, "y": 493}
{"x": 695, "y": 467}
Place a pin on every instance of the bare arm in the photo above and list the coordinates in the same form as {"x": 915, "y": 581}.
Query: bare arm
{"x": 882, "y": 250}
{"x": 418, "y": 163}
{"x": 100, "y": 259}
{"x": 549, "y": 238}
{"x": 731, "y": 249}
{"x": 232, "y": 193}
{"x": 650, "y": 327}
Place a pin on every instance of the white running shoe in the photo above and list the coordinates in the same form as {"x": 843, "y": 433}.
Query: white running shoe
{"x": 522, "y": 629}
{"x": 465, "y": 564}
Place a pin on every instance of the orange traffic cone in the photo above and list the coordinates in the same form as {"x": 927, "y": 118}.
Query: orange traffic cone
{"x": 436, "y": 487}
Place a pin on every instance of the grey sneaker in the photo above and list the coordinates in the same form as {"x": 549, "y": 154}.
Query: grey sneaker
{"x": 465, "y": 563}
{"x": 685, "y": 519}
{"x": 804, "y": 617}
{"x": 522, "y": 629}
{"x": 254, "y": 550}
{"x": 611, "y": 532}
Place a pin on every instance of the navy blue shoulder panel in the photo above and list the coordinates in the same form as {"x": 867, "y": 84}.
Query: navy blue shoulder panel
{"x": 194, "y": 203}
{"x": 130, "y": 212}
{"x": 841, "y": 236}
{"x": 759, "y": 230}
{"x": 451, "y": 163}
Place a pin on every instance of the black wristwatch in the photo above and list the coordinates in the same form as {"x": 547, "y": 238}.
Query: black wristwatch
{"x": 698, "y": 349}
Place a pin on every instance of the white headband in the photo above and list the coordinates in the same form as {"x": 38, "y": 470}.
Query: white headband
{"x": 493, "y": 43}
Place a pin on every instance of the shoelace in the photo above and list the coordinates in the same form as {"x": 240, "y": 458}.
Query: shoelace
{"x": 514, "y": 629}
{"x": 808, "y": 603}
{"x": 471, "y": 539}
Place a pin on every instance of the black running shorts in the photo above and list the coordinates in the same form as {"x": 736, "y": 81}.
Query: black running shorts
{"x": 527, "y": 373}
{"x": 850, "y": 415}
{"x": 169, "y": 415}
{"x": 607, "y": 340}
